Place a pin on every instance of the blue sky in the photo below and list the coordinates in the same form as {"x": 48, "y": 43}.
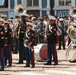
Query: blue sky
{"x": 2, "y": 2}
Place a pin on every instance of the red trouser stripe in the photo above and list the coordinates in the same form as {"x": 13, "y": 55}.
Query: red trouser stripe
{"x": 32, "y": 57}
{"x": 2, "y": 57}
{"x": 55, "y": 54}
{"x": 10, "y": 54}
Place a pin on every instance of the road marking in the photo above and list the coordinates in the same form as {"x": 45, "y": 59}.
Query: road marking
{"x": 28, "y": 73}
{"x": 72, "y": 69}
{"x": 61, "y": 72}
{"x": 48, "y": 71}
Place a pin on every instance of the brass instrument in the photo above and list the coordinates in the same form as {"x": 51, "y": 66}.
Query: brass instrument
{"x": 20, "y": 9}
{"x": 70, "y": 52}
{"x": 18, "y": 34}
{"x": 72, "y": 11}
{"x": 72, "y": 33}
{"x": 59, "y": 32}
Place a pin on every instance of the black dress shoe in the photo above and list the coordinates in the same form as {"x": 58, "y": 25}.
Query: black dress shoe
{"x": 47, "y": 64}
{"x": 19, "y": 63}
{"x": 64, "y": 48}
{"x": 59, "y": 49}
{"x": 32, "y": 66}
{"x": 9, "y": 66}
{"x": 2, "y": 69}
{"x": 72, "y": 61}
{"x": 55, "y": 64}
{"x": 27, "y": 66}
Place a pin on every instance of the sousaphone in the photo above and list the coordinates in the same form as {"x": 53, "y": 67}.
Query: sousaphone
{"x": 71, "y": 51}
{"x": 20, "y": 9}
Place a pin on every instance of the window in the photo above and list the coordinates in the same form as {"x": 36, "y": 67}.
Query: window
{"x": 35, "y": 2}
{"x": 5, "y": 4}
{"x": 64, "y": 2}
{"x": 19, "y": 1}
{"x": 44, "y": 13}
{"x": 68, "y": 2}
{"x": 62, "y": 13}
{"x": 2, "y": 2}
{"x": 12, "y": 4}
{"x": 61, "y": 2}
{"x": 29, "y": 2}
{"x": 32, "y": 2}
{"x": 44, "y": 3}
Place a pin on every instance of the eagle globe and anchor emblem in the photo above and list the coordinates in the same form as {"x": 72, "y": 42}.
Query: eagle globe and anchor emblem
{"x": 41, "y": 52}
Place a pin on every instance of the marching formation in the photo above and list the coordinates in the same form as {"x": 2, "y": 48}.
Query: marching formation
{"x": 22, "y": 33}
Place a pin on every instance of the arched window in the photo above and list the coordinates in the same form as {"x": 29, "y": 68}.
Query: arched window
{"x": 5, "y": 5}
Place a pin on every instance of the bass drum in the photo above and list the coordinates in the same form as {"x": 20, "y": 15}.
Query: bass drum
{"x": 41, "y": 52}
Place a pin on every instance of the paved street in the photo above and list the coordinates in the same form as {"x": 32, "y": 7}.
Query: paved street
{"x": 64, "y": 67}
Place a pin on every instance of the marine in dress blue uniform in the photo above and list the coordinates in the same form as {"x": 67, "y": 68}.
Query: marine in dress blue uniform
{"x": 29, "y": 43}
{"x": 7, "y": 44}
{"x": 1, "y": 45}
{"x": 21, "y": 30}
{"x": 51, "y": 41}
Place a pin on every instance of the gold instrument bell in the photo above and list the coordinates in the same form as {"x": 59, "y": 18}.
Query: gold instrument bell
{"x": 72, "y": 11}
{"x": 20, "y": 9}
{"x": 72, "y": 27}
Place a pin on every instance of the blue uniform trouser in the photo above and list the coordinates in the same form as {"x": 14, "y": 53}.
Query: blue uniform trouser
{"x": 8, "y": 54}
{"x": 52, "y": 52}
{"x": 2, "y": 58}
{"x": 29, "y": 56}
{"x": 21, "y": 51}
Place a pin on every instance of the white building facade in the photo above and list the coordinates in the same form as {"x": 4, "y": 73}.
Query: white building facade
{"x": 35, "y": 7}
{"x": 61, "y": 7}
{"x": 8, "y": 7}
{"x": 38, "y": 7}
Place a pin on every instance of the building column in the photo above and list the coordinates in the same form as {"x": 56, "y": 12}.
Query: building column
{"x": 55, "y": 12}
{"x": 48, "y": 6}
{"x": 40, "y": 6}
{"x": 48, "y": 12}
{"x": 55, "y": 3}
{"x": 22, "y": 2}
{"x": 48, "y": 3}
{"x": 73, "y": 2}
{"x": 15, "y": 2}
{"x": 9, "y": 4}
{"x": 9, "y": 8}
